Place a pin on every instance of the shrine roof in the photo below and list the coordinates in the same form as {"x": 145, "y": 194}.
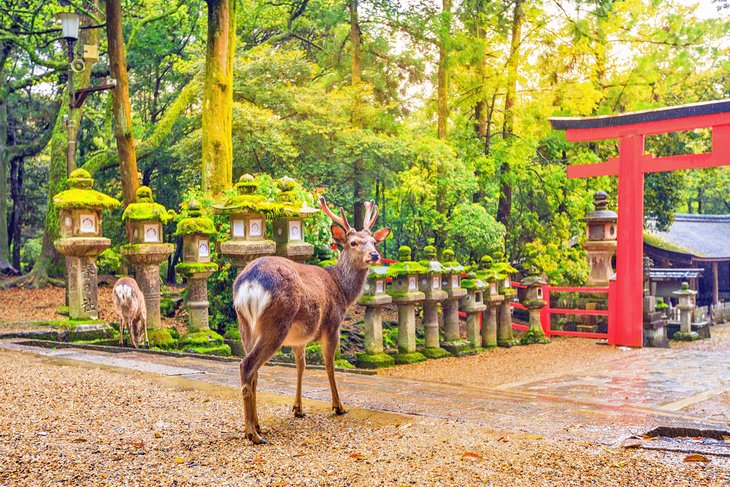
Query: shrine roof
{"x": 706, "y": 237}
{"x": 654, "y": 115}
{"x": 674, "y": 273}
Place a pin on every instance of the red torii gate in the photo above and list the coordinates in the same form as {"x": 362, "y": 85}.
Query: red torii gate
{"x": 630, "y": 166}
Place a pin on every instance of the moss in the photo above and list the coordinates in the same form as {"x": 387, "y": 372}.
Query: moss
{"x": 531, "y": 337}
{"x": 233, "y": 333}
{"x": 146, "y": 209}
{"x": 167, "y": 307}
{"x": 161, "y": 338}
{"x": 374, "y": 361}
{"x": 686, "y": 336}
{"x": 200, "y": 338}
{"x": 222, "y": 350}
{"x": 190, "y": 226}
{"x": 326, "y": 263}
{"x": 457, "y": 347}
{"x": 408, "y": 358}
{"x": 435, "y": 353}
{"x": 405, "y": 268}
{"x": 343, "y": 364}
{"x": 62, "y": 310}
{"x": 659, "y": 242}
{"x": 190, "y": 268}
{"x": 83, "y": 199}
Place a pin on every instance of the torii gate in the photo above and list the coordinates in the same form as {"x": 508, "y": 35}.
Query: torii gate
{"x": 630, "y": 166}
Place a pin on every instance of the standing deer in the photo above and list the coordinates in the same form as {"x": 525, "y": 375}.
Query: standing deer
{"x": 280, "y": 302}
{"x": 130, "y": 306}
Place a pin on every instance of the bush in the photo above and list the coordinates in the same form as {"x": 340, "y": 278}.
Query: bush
{"x": 30, "y": 252}
{"x": 109, "y": 261}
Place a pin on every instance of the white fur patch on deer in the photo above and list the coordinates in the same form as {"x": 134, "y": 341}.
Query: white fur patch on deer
{"x": 251, "y": 300}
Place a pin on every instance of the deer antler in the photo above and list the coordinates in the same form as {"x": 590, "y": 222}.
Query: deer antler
{"x": 371, "y": 214}
{"x": 341, "y": 220}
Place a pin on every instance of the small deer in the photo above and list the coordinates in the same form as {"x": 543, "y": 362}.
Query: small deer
{"x": 281, "y": 302}
{"x": 130, "y": 306}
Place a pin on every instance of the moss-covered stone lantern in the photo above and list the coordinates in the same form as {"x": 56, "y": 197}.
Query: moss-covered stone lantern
{"x": 247, "y": 216}
{"x": 405, "y": 293}
{"x": 430, "y": 284}
{"x": 146, "y": 251}
{"x": 451, "y": 283}
{"x": 492, "y": 299}
{"x": 81, "y": 241}
{"x": 600, "y": 244}
{"x": 374, "y": 297}
{"x": 288, "y": 227}
{"x": 505, "y": 338}
{"x": 473, "y": 304}
{"x": 534, "y": 302}
{"x": 686, "y": 305}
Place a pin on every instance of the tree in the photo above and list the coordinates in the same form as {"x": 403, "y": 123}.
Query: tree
{"x": 218, "y": 96}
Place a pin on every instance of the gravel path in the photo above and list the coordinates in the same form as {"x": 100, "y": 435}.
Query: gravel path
{"x": 74, "y": 425}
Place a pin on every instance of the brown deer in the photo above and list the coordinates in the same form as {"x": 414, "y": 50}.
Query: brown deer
{"x": 130, "y": 306}
{"x": 280, "y": 302}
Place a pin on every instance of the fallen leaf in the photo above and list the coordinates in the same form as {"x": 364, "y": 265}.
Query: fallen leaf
{"x": 178, "y": 460}
{"x": 726, "y": 438}
{"x": 608, "y": 450}
{"x": 158, "y": 435}
{"x": 631, "y": 444}
{"x": 621, "y": 464}
{"x": 79, "y": 440}
{"x": 300, "y": 454}
{"x": 470, "y": 455}
{"x": 696, "y": 457}
{"x": 532, "y": 437}
{"x": 648, "y": 437}
{"x": 136, "y": 444}
{"x": 259, "y": 460}
{"x": 358, "y": 456}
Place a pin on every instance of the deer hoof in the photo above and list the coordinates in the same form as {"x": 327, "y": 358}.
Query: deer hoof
{"x": 298, "y": 412}
{"x": 256, "y": 439}
{"x": 339, "y": 410}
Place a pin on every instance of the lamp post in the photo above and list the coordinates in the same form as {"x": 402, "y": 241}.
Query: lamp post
{"x": 70, "y": 22}
{"x": 70, "y": 31}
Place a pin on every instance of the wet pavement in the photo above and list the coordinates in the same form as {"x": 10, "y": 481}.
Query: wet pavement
{"x": 628, "y": 396}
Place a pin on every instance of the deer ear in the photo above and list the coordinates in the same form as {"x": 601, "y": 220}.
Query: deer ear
{"x": 381, "y": 235}
{"x": 339, "y": 235}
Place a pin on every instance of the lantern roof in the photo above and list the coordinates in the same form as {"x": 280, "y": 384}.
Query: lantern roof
{"x": 195, "y": 223}
{"x": 601, "y": 214}
{"x": 145, "y": 209}
{"x": 80, "y": 196}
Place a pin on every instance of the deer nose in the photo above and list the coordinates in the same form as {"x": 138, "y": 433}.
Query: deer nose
{"x": 374, "y": 256}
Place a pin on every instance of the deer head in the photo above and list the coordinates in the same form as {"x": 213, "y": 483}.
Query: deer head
{"x": 358, "y": 247}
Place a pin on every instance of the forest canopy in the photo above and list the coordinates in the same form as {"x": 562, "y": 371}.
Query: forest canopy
{"x": 436, "y": 109}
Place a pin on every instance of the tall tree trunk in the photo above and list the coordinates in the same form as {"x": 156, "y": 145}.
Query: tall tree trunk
{"x": 218, "y": 96}
{"x": 17, "y": 170}
{"x": 358, "y": 189}
{"x": 443, "y": 76}
{"x": 121, "y": 108}
{"x": 505, "y": 198}
{"x": 4, "y": 162}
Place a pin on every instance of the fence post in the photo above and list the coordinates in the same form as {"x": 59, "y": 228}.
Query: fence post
{"x": 545, "y": 311}
{"x": 612, "y": 325}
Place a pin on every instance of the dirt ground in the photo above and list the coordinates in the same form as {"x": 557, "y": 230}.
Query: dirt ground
{"x": 62, "y": 423}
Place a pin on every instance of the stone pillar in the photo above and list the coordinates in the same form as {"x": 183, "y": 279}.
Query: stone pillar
{"x": 406, "y": 328}
{"x": 405, "y": 294}
{"x": 431, "y": 285}
{"x": 489, "y": 321}
{"x": 534, "y": 303}
{"x": 505, "y": 338}
{"x": 473, "y": 330}
{"x": 431, "y": 323}
{"x": 146, "y": 265}
{"x": 473, "y": 305}
{"x": 198, "y": 300}
{"x": 686, "y": 305}
{"x": 82, "y": 277}
{"x": 452, "y": 332}
{"x": 374, "y": 298}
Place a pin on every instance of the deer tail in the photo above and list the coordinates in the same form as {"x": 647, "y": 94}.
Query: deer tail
{"x": 250, "y": 300}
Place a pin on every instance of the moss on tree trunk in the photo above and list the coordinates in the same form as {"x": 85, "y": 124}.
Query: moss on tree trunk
{"x": 217, "y": 160}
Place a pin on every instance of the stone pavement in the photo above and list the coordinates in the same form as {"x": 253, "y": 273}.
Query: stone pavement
{"x": 626, "y": 397}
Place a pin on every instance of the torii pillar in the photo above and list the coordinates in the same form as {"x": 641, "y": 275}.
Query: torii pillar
{"x": 630, "y": 166}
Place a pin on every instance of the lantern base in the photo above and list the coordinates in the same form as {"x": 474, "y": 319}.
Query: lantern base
{"x": 408, "y": 358}
{"x": 458, "y": 348}
{"x": 686, "y": 336}
{"x": 205, "y": 342}
{"x": 435, "y": 352}
{"x": 161, "y": 338}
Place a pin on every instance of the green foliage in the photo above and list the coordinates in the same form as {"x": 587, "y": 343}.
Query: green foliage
{"x": 108, "y": 261}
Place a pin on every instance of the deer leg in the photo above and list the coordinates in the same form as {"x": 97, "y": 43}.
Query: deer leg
{"x": 133, "y": 332}
{"x": 255, "y": 358}
{"x": 121, "y": 333}
{"x": 329, "y": 347}
{"x": 301, "y": 363}
{"x": 146, "y": 338}
{"x": 255, "y": 403}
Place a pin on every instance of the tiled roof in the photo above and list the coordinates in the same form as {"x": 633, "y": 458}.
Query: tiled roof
{"x": 703, "y": 236}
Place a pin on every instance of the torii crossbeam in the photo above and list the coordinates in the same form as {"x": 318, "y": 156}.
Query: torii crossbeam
{"x": 630, "y": 166}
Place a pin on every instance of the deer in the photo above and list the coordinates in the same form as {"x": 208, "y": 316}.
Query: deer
{"x": 130, "y": 306}
{"x": 280, "y": 302}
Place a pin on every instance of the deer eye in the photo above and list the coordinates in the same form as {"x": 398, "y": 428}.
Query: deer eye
{"x": 353, "y": 244}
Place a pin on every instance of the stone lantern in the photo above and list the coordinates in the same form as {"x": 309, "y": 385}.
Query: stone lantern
{"x": 600, "y": 245}
{"x": 247, "y": 216}
{"x": 473, "y": 304}
{"x": 451, "y": 283}
{"x": 686, "y": 305}
{"x": 81, "y": 241}
{"x": 405, "y": 293}
{"x": 505, "y": 338}
{"x": 534, "y": 302}
{"x": 430, "y": 284}
{"x": 374, "y": 297}
{"x": 146, "y": 251}
{"x": 289, "y": 226}
{"x": 492, "y": 299}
